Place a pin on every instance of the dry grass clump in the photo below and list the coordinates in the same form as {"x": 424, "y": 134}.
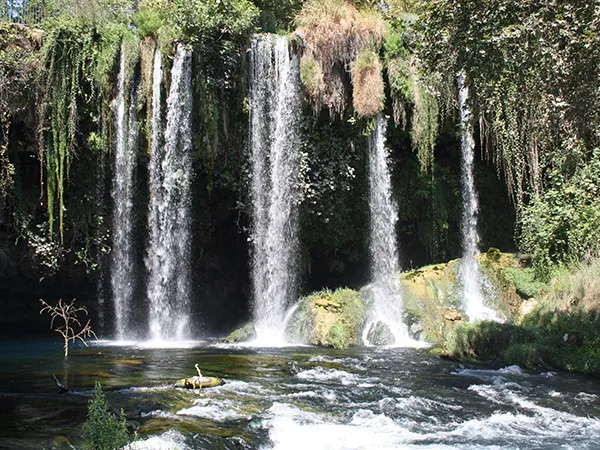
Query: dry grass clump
{"x": 334, "y": 33}
{"x": 368, "y": 95}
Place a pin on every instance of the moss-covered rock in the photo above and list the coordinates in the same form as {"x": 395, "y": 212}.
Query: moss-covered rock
{"x": 558, "y": 330}
{"x": 330, "y": 319}
{"x": 432, "y": 294}
{"x": 245, "y": 334}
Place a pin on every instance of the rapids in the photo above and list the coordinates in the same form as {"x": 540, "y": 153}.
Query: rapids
{"x": 293, "y": 398}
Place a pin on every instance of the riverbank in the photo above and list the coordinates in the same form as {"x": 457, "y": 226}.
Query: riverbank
{"x": 560, "y": 332}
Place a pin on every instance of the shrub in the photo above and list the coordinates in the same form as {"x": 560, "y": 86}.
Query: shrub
{"x": 103, "y": 429}
{"x": 148, "y": 21}
{"x": 526, "y": 285}
{"x": 563, "y": 223}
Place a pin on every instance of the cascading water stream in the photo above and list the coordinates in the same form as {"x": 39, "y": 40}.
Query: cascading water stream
{"x": 122, "y": 262}
{"x": 386, "y": 292}
{"x": 168, "y": 254}
{"x": 275, "y": 161}
{"x": 469, "y": 270}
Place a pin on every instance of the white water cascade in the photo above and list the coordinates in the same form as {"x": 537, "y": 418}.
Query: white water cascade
{"x": 169, "y": 219}
{"x": 122, "y": 264}
{"x": 275, "y": 164}
{"x": 386, "y": 292}
{"x": 469, "y": 271}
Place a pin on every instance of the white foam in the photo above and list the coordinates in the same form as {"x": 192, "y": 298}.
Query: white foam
{"x": 219, "y": 410}
{"x": 494, "y": 376}
{"x": 586, "y": 398}
{"x": 158, "y": 414}
{"x": 529, "y": 419}
{"x": 171, "y": 440}
{"x": 157, "y": 344}
{"x": 326, "y": 394}
{"x": 322, "y": 374}
{"x": 292, "y": 428}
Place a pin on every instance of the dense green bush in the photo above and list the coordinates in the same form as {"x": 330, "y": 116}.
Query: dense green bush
{"x": 563, "y": 223}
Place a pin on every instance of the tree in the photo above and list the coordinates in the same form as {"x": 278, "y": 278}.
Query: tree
{"x": 71, "y": 328}
{"x": 104, "y": 430}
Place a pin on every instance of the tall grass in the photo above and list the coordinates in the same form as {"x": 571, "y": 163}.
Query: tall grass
{"x": 368, "y": 95}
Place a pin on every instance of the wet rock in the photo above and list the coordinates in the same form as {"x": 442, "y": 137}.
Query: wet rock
{"x": 198, "y": 382}
{"x": 380, "y": 334}
{"x": 245, "y": 334}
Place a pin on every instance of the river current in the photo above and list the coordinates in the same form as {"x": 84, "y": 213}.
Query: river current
{"x": 293, "y": 398}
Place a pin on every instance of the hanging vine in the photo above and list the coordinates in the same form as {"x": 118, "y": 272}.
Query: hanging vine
{"x": 67, "y": 57}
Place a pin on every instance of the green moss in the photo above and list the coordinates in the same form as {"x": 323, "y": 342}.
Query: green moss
{"x": 244, "y": 334}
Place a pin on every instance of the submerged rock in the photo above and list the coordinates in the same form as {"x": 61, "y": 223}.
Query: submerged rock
{"x": 197, "y": 382}
{"x": 380, "y": 334}
{"x": 330, "y": 319}
{"x": 245, "y": 334}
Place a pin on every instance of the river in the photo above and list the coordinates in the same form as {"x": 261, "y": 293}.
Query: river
{"x": 293, "y": 398}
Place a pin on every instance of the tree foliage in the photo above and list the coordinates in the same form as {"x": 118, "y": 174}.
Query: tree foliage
{"x": 534, "y": 68}
{"x": 204, "y": 21}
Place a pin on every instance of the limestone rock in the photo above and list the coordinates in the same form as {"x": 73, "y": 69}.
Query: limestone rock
{"x": 452, "y": 315}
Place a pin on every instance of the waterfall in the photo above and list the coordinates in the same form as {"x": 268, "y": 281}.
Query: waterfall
{"x": 469, "y": 271}
{"x": 169, "y": 218}
{"x": 122, "y": 264}
{"x": 275, "y": 161}
{"x": 386, "y": 292}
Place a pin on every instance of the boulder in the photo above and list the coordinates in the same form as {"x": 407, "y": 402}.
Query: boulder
{"x": 380, "y": 334}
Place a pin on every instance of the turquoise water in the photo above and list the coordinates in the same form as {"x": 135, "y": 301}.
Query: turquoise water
{"x": 293, "y": 398}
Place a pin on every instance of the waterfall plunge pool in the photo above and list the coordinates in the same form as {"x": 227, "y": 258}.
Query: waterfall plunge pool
{"x": 293, "y": 398}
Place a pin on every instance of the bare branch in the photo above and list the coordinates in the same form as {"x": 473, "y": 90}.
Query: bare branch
{"x": 71, "y": 328}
